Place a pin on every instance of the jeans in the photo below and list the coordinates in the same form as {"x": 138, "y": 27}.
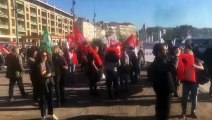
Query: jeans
{"x": 12, "y": 84}
{"x": 46, "y": 98}
{"x": 187, "y": 88}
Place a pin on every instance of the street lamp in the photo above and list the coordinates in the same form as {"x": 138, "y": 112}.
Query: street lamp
{"x": 16, "y": 21}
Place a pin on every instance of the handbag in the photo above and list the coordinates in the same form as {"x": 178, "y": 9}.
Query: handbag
{"x": 202, "y": 76}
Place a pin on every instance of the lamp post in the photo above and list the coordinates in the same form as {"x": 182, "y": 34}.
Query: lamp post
{"x": 16, "y": 21}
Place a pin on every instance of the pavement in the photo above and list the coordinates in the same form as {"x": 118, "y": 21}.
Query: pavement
{"x": 137, "y": 104}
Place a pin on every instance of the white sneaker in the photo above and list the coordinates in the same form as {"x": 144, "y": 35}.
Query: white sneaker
{"x": 42, "y": 118}
{"x": 53, "y": 117}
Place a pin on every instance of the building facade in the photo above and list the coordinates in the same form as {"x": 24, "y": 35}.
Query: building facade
{"x": 126, "y": 29}
{"x": 33, "y": 17}
{"x": 89, "y": 30}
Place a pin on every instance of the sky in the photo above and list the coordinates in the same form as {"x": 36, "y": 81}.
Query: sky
{"x": 165, "y": 13}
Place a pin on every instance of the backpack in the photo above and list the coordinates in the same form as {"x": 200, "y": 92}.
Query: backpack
{"x": 202, "y": 76}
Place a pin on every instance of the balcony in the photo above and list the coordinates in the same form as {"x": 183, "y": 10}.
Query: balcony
{"x": 33, "y": 14}
{"x": 21, "y": 19}
{"x": 43, "y": 17}
{"x": 33, "y": 22}
{"x": 21, "y": 29}
{"x": 34, "y": 30}
{"x": 3, "y": 15}
{"x": 4, "y": 26}
{"x": 20, "y": 12}
{"x": 3, "y": 5}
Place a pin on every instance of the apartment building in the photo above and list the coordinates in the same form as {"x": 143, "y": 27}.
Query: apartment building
{"x": 33, "y": 17}
{"x": 126, "y": 29}
{"x": 88, "y": 30}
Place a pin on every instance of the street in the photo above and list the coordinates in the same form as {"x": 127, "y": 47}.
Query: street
{"x": 137, "y": 104}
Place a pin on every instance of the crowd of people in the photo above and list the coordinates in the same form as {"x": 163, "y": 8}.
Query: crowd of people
{"x": 120, "y": 65}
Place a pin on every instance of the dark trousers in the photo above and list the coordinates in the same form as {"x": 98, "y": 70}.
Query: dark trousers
{"x": 60, "y": 87}
{"x": 187, "y": 88}
{"x": 35, "y": 88}
{"x": 134, "y": 73}
{"x": 162, "y": 107}
{"x": 93, "y": 78}
{"x": 12, "y": 84}
{"x": 112, "y": 79}
{"x": 124, "y": 80}
{"x": 46, "y": 99}
{"x": 210, "y": 75}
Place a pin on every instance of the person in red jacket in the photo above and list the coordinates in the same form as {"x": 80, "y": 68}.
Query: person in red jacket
{"x": 72, "y": 62}
{"x": 190, "y": 85}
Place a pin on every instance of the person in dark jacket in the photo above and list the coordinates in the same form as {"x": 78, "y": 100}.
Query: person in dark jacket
{"x": 45, "y": 77}
{"x": 94, "y": 69}
{"x": 135, "y": 70}
{"x": 15, "y": 72}
{"x": 174, "y": 59}
{"x": 111, "y": 63}
{"x": 32, "y": 66}
{"x": 207, "y": 57}
{"x": 60, "y": 70}
{"x": 163, "y": 84}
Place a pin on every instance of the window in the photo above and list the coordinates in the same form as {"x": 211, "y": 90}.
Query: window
{"x": 28, "y": 32}
{"x": 13, "y": 31}
{"x": 13, "y": 22}
{"x": 27, "y": 16}
{"x": 27, "y": 9}
{"x": 27, "y": 24}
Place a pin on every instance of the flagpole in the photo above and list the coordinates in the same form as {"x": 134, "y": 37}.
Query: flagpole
{"x": 94, "y": 21}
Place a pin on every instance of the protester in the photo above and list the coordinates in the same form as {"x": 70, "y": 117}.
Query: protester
{"x": 111, "y": 63}
{"x": 72, "y": 62}
{"x": 163, "y": 84}
{"x": 124, "y": 70}
{"x": 207, "y": 57}
{"x": 174, "y": 59}
{"x": 135, "y": 70}
{"x": 141, "y": 58}
{"x": 31, "y": 57}
{"x": 60, "y": 70}
{"x": 94, "y": 69}
{"x": 190, "y": 85}
{"x": 46, "y": 82}
{"x": 15, "y": 72}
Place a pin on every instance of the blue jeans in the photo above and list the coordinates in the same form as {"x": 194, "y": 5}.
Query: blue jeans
{"x": 187, "y": 88}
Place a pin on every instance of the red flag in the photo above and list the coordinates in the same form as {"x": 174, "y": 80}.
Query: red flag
{"x": 71, "y": 40}
{"x": 131, "y": 41}
{"x": 79, "y": 38}
{"x": 4, "y": 50}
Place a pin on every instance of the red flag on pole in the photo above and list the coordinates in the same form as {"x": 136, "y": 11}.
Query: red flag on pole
{"x": 131, "y": 41}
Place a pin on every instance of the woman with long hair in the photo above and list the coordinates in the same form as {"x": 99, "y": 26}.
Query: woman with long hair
{"x": 45, "y": 77}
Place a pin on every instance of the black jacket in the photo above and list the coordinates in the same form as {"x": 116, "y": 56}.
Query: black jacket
{"x": 44, "y": 81}
{"x": 160, "y": 73}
